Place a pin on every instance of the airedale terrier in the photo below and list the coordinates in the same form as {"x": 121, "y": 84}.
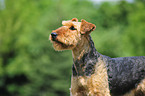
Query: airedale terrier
{"x": 94, "y": 74}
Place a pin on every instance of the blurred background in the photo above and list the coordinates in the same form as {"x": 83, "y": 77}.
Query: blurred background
{"x": 29, "y": 66}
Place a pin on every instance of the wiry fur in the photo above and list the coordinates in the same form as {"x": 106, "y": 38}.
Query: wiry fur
{"x": 94, "y": 74}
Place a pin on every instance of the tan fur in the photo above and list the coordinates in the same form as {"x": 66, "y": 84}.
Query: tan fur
{"x": 81, "y": 48}
{"x": 96, "y": 85}
{"x": 69, "y": 38}
{"x": 77, "y": 40}
{"x": 131, "y": 93}
{"x": 138, "y": 91}
{"x": 140, "y": 88}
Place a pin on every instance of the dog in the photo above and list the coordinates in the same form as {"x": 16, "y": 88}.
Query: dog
{"x": 94, "y": 74}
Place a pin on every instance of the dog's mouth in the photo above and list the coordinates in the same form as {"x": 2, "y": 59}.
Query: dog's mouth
{"x": 63, "y": 45}
{"x": 60, "y": 43}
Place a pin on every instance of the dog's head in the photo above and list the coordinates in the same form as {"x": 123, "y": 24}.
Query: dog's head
{"x": 70, "y": 34}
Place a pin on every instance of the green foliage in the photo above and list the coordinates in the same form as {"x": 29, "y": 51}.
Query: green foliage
{"x": 29, "y": 66}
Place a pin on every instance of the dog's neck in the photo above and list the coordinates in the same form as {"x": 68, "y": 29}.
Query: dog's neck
{"x": 85, "y": 46}
{"x": 84, "y": 57}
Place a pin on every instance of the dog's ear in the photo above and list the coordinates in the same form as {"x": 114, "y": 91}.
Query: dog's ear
{"x": 74, "y": 19}
{"x": 86, "y": 27}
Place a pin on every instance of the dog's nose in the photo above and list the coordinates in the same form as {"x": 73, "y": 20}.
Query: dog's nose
{"x": 54, "y": 35}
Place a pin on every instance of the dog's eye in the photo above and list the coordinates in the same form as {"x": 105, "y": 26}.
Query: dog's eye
{"x": 72, "y": 28}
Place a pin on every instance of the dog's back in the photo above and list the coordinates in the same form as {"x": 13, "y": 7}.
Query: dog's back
{"x": 126, "y": 74}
